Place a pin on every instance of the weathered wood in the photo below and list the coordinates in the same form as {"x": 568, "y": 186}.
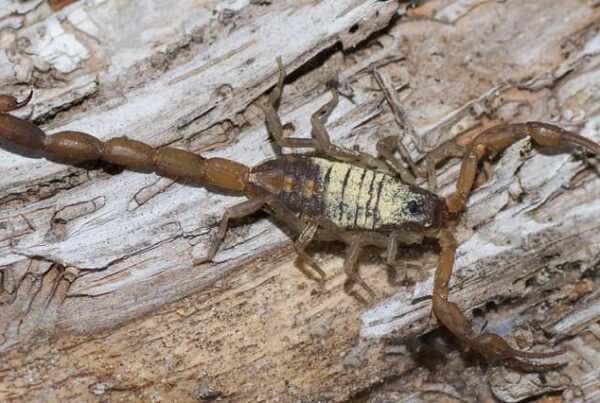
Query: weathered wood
{"x": 85, "y": 253}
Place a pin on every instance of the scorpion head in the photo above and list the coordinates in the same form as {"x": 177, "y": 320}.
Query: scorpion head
{"x": 424, "y": 211}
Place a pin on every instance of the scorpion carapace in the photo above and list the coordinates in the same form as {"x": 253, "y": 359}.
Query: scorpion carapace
{"x": 337, "y": 194}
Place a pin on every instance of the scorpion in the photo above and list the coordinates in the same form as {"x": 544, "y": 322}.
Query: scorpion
{"x": 333, "y": 194}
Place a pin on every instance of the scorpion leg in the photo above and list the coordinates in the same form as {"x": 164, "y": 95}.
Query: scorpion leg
{"x": 499, "y": 137}
{"x": 355, "y": 243}
{"x": 442, "y": 153}
{"x": 340, "y": 153}
{"x": 321, "y": 141}
{"x": 306, "y": 236}
{"x": 490, "y": 345}
{"x": 391, "y": 250}
{"x": 386, "y": 147}
{"x": 397, "y": 237}
{"x": 272, "y": 119}
{"x": 391, "y": 246}
{"x": 389, "y": 145}
{"x": 350, "y": 267}
{"x": 238, "y": 211}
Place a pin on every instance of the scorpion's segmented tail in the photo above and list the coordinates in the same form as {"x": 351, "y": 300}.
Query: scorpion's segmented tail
{"x": 75, "y": 147}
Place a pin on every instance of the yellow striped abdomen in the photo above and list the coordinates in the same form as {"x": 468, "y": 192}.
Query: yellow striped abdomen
{"x": 347, "y": 195}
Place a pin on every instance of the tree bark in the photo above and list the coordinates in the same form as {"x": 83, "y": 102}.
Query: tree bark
{"x": 100, "y": 299}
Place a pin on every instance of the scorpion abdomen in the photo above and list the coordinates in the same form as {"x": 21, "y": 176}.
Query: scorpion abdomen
{"x": 352, "y": 197}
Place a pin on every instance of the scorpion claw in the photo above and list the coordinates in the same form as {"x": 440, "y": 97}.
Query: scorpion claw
{"x": 491, "y": 346}
{"x": 494, "y": 348}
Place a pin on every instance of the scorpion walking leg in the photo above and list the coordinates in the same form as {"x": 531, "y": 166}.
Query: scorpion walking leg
{"x": 499, "y": 137}
{"x": 492, "y": 346}
{"x": 352, "y": 255}
{"x": 238, "y": 211}
{"x": 307, "y": 233}
{"x": 386, "y": 147}
{"x": 395, "y": 238}
{"x": 391, "y": 250}
{"x": 321, "y": 141}
{"x": 305, "y": 237}
{"x": 391, "y": 245}
{"x": 272, "y": 119}
{"x": 334, "y": 151}
{"x": 440, "y": 154}
{"x": 389, "y": 145}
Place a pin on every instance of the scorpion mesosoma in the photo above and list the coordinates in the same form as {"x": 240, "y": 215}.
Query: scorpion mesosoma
{"x": 336, "y": 194}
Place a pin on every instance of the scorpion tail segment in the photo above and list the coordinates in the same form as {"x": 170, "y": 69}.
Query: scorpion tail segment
{"x": 75, "y": 147}
{"x": 530, "y": 366}
{"x": 21, "y": 133}
{"x": 9, "y": 103}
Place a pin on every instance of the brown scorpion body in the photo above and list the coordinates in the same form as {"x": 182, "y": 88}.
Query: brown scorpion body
{"x": 340, "y": 194}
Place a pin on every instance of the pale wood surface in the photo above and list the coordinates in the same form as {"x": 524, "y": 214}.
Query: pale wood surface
{"x": 99, "y": 297}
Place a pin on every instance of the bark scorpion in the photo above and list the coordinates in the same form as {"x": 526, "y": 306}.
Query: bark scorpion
{"x": 335, "y": 193}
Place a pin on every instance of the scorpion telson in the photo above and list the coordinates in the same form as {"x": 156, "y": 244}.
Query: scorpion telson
{"x": 336, "y": 194}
